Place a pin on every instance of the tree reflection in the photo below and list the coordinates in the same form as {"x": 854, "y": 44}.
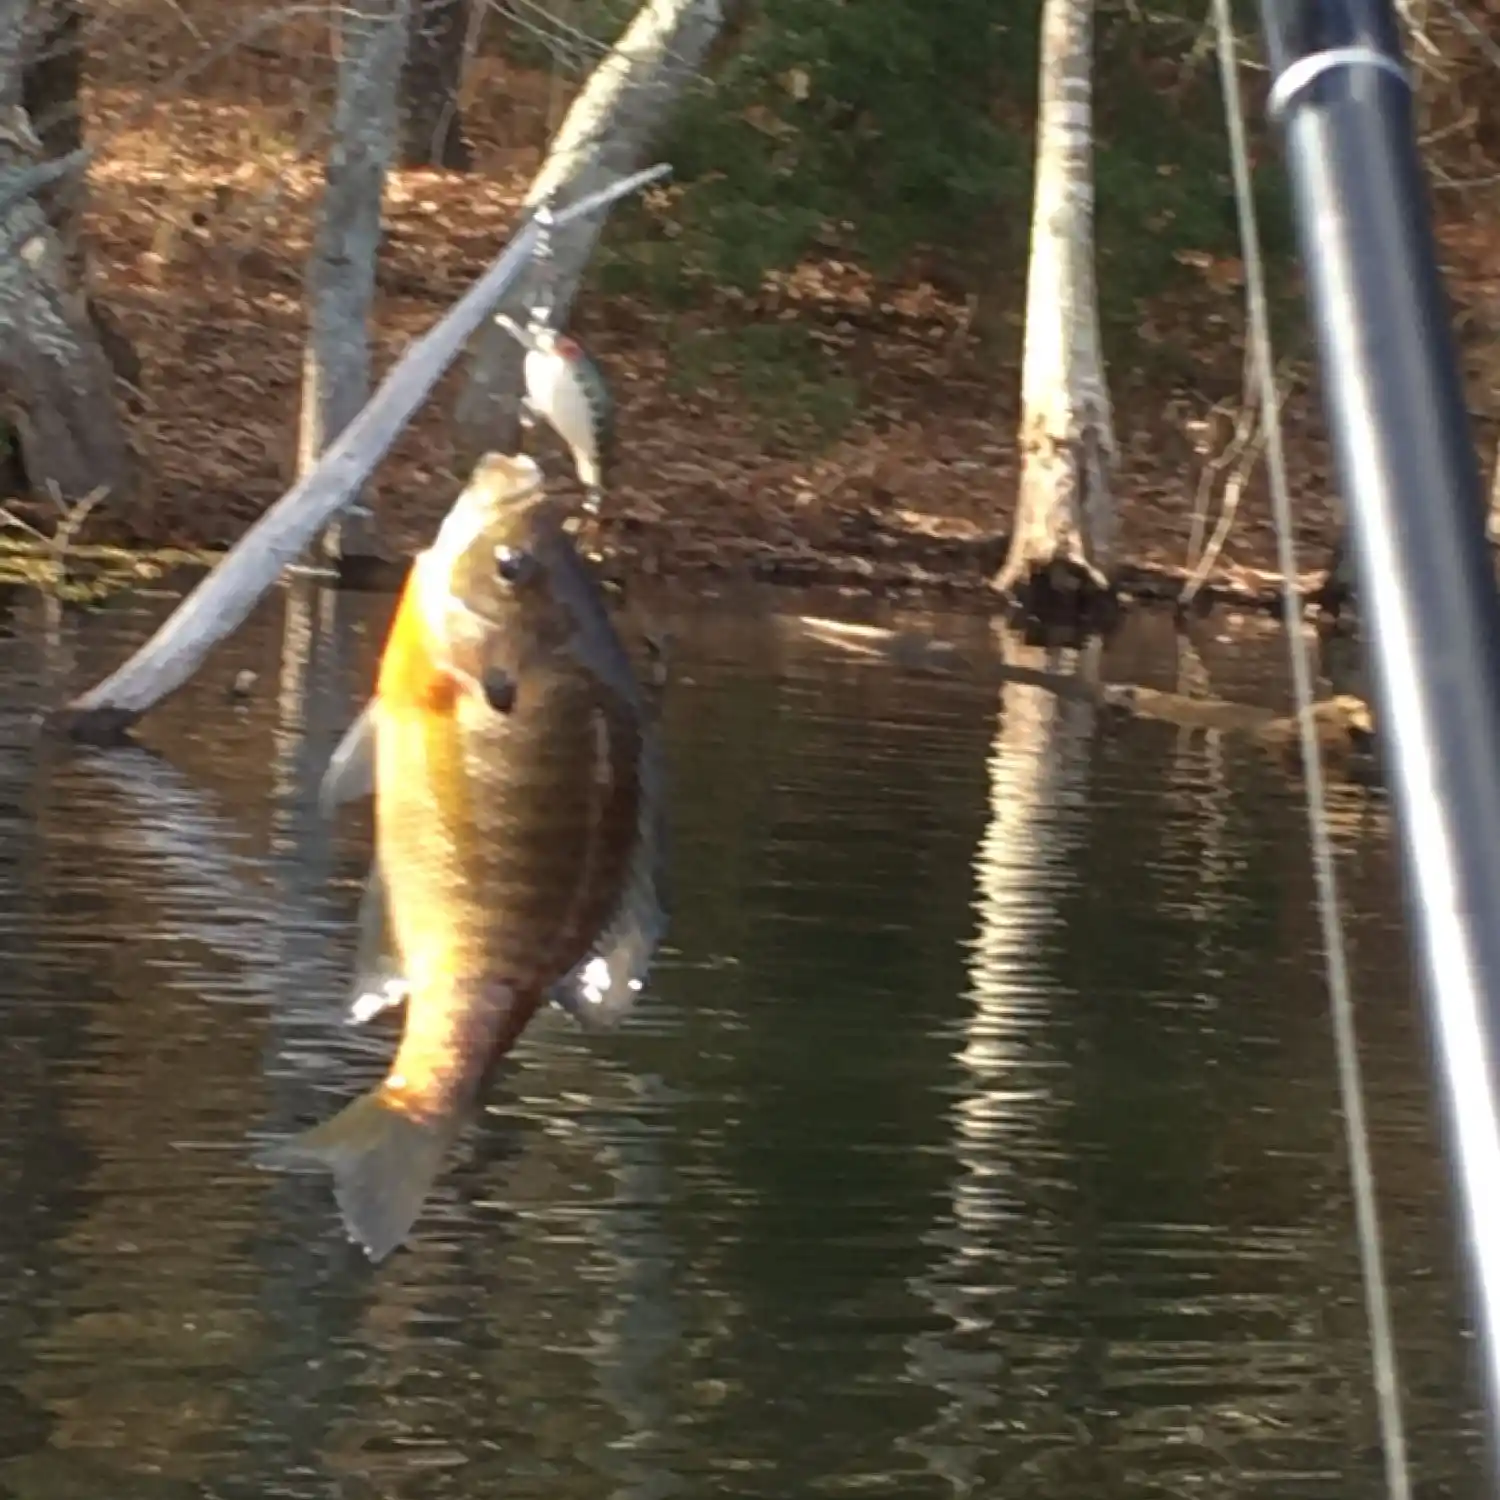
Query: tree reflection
{"x": 1003, "y": 1247}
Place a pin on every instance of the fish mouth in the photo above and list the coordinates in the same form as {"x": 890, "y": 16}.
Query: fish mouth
{"x": 500, "y": 483}
{"x": 501, "y": 494}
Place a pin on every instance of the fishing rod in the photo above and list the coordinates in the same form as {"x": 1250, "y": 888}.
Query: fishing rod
{"x": 1342, "y": 97}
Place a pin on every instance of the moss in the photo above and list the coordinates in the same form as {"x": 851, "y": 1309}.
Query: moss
{"x": 91, "y": 575}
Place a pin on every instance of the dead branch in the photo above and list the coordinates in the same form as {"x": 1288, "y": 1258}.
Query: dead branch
{"x": 221, "y": 602}
{"x": 609, "y": 125}
{"x": 1249, "y": 440}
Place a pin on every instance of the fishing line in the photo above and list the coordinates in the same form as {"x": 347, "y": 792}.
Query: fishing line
{"x": 1336, "y": 964}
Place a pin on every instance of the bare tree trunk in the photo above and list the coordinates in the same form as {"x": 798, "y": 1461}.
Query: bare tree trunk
{"x": 55, "y": 383}
{"x": 51, "y": 77}
{"x": 432, "y": 129}
{"x": 1064, "y": 527}
{"x": 610, "y": 125}
{"x": 51, "y": 81}
{"x": 341, "y": 271}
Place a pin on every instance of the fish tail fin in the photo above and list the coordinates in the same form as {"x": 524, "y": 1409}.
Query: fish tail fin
{"x": 384, "y": 1162}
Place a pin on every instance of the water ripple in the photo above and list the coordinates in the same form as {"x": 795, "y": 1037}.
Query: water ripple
{"x": 978, "y": 1135}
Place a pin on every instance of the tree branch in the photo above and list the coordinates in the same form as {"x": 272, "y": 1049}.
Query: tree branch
{"x": 607, "y": 129}
{"x": 222, "y": 601}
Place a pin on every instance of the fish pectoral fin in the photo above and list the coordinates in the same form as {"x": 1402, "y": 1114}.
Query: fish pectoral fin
{"x": 600, "y": 992}
{"x": 351, "y": 768}
{"x": 379, "y": 979}
{"x": 384, "y": 1163}
{"x": 464, "y": 656}
{"x": 368, "y": 1001}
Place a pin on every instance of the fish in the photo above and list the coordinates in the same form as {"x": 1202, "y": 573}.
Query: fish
{"x": 597, "y": 994}
{"x": 600, "y": 992}
{"x": 520, "y": 834}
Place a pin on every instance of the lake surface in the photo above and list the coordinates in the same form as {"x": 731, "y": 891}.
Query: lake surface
{"x": 979, "y": 1134}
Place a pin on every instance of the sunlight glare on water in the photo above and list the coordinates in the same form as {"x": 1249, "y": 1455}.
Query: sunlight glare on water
{"x": 977, "y": 1135}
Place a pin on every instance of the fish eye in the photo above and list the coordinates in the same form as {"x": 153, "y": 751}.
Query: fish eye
{"x": 499, "y": 690}
{"x": 514, "y": 567}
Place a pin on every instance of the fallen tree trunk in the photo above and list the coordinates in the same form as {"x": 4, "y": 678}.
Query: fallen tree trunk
{"x": 221, "y": 602}
{"x": 609, "y": 126}
{"x": 1342, "y": 723}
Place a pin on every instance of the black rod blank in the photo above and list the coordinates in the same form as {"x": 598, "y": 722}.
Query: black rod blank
{"x": 1427, "y": 593}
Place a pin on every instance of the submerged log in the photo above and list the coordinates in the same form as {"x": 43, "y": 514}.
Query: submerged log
{"x": 1344, "y": 724}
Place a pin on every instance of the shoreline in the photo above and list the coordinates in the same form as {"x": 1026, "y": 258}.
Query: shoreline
{"x": 93, "y": 574}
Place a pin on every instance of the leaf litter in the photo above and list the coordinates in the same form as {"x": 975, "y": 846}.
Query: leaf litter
{"x": 199, "y": 219}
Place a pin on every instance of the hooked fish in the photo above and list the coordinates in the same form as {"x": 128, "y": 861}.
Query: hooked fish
{"x": 519, "y": 833}
{"x": 601, "y": 991}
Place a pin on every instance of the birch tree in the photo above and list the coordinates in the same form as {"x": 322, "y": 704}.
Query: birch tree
{"x": 1064, "y": 525}
{"x": 341, "y": 270}
{"x": 611, "y": 123}
{"x": 56, "y": 386}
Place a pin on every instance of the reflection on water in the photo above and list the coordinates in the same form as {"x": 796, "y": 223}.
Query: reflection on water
{"x": 979, "y": 1136}
{"x": 1002, "y": 1251}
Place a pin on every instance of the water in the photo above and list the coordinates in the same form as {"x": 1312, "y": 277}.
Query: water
{"x": 980, "y": 1136}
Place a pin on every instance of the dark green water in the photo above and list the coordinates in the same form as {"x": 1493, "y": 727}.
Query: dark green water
{"x": 979, "y": 1136}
